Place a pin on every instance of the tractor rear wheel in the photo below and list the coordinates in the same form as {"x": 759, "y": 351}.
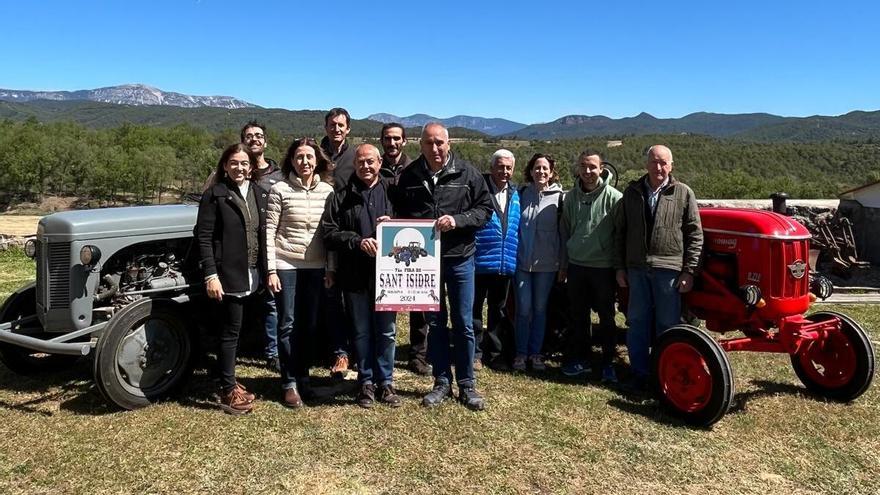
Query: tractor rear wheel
{"x": 694, "y": 379}
{"x": 839, "y": 367}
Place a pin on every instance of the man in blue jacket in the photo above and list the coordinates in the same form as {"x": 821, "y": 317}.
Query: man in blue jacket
{"x": 495, "y": 261}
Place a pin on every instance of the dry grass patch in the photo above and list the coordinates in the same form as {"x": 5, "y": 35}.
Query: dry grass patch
{"x": 540, "y": 434}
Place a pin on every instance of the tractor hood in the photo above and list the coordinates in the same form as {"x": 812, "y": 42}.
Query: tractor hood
{"x": 101, "y": 223}
{"x": 752, "y": 223}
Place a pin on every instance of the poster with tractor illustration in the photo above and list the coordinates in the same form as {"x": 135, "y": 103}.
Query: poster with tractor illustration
{"x": 408, "y": 266}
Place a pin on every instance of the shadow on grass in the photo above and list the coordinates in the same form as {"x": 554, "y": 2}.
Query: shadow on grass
{"x": 767, "y": 389}
{"x": 71, "y": 388}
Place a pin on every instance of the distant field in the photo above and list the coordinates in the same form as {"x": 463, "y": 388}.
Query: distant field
{"x": 19, "y": 225}
{"x": 541, "y": 433}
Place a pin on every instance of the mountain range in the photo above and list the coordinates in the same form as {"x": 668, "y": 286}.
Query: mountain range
{"x": 127, "y": 94}
{"x": 492, "y": 127}
{"x": 142, "y": 104}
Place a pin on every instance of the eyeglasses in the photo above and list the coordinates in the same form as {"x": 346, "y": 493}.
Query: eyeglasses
{"x": 254, "y": 136}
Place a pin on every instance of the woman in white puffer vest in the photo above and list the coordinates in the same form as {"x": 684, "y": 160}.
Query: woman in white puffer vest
{"x": 298, "y": 263}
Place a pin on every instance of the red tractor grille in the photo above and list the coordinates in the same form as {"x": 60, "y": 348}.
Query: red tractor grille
{"x": 787, "y": 259}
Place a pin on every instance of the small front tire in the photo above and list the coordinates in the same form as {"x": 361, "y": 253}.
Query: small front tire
{"x": 840, "y": 367}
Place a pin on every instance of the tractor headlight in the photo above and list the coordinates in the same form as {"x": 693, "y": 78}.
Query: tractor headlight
{"x": 89, "y": 255}
{"x": 30, "y": 248}
{"x": 821, "y": 286}
{"x": 751, "y": 294}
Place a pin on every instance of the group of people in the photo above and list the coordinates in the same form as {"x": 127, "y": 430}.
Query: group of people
{"x": 299, "y": 239}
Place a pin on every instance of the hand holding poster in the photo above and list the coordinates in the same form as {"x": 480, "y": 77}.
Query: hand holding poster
{"x": 408, "y": 266}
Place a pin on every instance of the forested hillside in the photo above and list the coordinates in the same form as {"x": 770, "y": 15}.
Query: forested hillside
{"x": 140, "y": 163}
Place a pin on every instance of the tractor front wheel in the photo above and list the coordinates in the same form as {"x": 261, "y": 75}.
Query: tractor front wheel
{"x": 840, "y": 366}
{"x": 694, "y": 377}
{"x": 20, "y": 304}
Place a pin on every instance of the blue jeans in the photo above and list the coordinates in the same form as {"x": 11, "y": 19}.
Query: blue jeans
{"x": 374, "y": 335}
{"x": 654, "y": 306}
{"x": 270, "y": 315}
{"x": 298, "y": 312}
{"x": 532, "y": 292}
{"x": 458, "y": 284}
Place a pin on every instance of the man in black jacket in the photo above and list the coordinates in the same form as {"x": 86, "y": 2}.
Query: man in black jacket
{"x": 394, "y": 162}
{"x": 337, "y": 126}
{"x": 350, "y": 223}
{"x": 263, "y": 313}
{"x": 441, "y": 186}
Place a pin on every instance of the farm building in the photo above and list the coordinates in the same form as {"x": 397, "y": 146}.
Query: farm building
{"x": 862, "y": 206}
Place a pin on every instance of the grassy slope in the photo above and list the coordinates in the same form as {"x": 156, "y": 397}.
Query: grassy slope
{"x": 539, "y": 434}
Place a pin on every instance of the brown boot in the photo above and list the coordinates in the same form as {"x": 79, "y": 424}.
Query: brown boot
{"x": 292, "y": 398}
{"x": 234, "y": 402}
{"x": 244, "y": 392}
{"x": 340, "y": 367}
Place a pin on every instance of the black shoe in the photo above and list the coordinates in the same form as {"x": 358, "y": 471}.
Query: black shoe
{"x": 420, "y": 367}
{"x": 636, "y": 385}
{"x": 388, "y": 396}
{"x": 471, "y": 398}
{"x": 440, "y": 391}
{"x": 498, "y": 364}
{"x": 273, "y": 363}
{"x": 306, "y": 392}
{"x": 367, "y": 396}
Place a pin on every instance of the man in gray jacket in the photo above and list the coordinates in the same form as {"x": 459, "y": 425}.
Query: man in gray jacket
{"x": 658, "y": 240}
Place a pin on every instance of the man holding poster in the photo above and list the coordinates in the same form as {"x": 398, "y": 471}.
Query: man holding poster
{"x": 350, "y": 222}
{"x": 442, "y": 187}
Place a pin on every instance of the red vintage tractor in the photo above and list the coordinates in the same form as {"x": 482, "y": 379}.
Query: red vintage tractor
{"x": 756, "y": 280}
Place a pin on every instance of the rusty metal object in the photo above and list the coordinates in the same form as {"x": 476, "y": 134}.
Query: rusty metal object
{"x": 834, "y": 236}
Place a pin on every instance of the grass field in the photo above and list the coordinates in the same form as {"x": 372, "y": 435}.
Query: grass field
{"x": 539, "y": 434}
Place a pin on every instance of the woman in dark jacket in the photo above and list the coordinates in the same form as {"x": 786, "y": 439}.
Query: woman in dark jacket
{"x": 231, "y": 234}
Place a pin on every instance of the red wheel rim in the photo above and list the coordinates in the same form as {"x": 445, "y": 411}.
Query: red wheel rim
{"x": 830, "y": 362}
{"x": 685, "y": 379}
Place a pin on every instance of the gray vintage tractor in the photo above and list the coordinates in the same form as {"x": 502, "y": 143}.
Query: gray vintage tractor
{"x": 112, "y": 283}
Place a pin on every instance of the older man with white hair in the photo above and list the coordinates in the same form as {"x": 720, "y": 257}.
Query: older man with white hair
{"x": 658, "y": 241}
{"x": 495, "y": 262}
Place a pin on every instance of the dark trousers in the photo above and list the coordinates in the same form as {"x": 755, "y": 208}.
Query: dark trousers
{"x": 493, "y": 339}
{"x": 232, "y": 313}
{"x": 418, "y": 337}
{"x": 336, "y": 321}
{"x": 298, "y": 313}
{"x": 590, "y": 289}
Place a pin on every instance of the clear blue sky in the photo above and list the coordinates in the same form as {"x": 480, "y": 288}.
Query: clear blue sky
{"x": 526, "y": 61}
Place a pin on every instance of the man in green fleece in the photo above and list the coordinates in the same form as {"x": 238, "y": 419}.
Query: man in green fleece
{"x": 588, "y": 232}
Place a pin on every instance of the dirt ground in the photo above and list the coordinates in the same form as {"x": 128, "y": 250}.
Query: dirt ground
{"x": 18, "y": 225}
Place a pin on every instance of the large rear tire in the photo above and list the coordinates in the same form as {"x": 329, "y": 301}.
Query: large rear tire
{"x": 145, "y": 353}
{"x": 20, "y": 360}
{"x": 694, "y": 380}
{"x": 840, "y": 367}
